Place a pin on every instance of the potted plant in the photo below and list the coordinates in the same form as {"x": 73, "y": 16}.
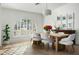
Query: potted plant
{"x": 6, "y": 36}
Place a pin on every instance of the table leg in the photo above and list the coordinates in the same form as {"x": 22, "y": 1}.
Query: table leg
{"x": 56, "y": 47}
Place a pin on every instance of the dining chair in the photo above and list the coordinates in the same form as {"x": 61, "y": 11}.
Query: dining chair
{"x": 36, "y": 39}
{"x": 46, "y": 40}
{"x": 68, "y": 41}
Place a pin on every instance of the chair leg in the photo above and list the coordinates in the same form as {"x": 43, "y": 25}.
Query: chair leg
{"x": 66, "y": 50}
{"x": 46, "y": 46}
{"x": 73, "y": 48}
{"x": 42, "y": 45}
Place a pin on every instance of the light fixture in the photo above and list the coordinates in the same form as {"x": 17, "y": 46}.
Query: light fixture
{"x": 47, "y": 11}
{"x": 37, "y": 3}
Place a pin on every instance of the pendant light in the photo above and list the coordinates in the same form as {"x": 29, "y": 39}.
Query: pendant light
{"x": 47, "y": 11}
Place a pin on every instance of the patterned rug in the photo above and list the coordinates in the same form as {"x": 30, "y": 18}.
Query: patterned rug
{"x": 15, "y": 49}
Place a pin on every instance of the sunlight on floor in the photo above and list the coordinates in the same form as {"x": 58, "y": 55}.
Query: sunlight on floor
{"x": 15, "y": 49}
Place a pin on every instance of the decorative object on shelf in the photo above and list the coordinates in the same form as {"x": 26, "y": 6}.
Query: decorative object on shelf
{"x": 56, "y": 28}
{"x": 58, "y": 18}
{"x": 64, "y": 17}
{"x": 6, "y": 35}
{"x": 48, "y": 28}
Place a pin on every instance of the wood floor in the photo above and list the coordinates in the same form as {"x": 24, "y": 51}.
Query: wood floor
{"x": 50, "y": 51}
{"x": 44, "y": 51}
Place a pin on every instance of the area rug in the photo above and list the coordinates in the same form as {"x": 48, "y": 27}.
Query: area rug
{"x": 16, "y": 49}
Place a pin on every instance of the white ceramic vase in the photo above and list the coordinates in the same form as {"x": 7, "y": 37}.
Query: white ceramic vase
{"x": 48, "y": 32}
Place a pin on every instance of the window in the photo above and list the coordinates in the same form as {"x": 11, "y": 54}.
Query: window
{"x": 24, "y": 27}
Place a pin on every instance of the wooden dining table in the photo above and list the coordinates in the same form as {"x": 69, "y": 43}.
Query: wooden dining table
{"x": 57, "y": 36}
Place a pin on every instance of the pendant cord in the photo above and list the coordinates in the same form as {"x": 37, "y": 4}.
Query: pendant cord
{"x": 46, "y": 5}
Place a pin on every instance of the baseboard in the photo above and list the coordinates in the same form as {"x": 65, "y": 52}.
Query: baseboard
{"x": 17, "y": 41}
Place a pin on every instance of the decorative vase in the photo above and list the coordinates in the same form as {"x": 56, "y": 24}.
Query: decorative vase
{"x": 48, "y": 32}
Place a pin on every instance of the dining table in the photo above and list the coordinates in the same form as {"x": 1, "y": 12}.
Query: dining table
{"x": 56, "y": 38}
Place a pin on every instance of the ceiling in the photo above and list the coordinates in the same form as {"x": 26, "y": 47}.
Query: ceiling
{"x": 31, "y": 7}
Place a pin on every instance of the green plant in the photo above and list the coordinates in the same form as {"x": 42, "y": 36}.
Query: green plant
{"x": 6, "y": 31}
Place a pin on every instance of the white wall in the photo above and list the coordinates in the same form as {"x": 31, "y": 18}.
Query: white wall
{"x": 0, "y": 28}
{"x": 50, "y": 19}
{"x": 11, "y": 16}
{"x": 63, "y": 10}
